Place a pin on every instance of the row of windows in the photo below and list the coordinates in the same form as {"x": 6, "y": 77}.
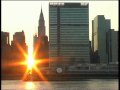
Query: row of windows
{"x": 62, "y": 39}
{"x": 70, "y": 32}
{"x": 74, "y": 51}
{"x": 70, "y": 51}
{"x": 67, "y": 9}
{"x": 70, "y": 47}
{"x": 76, "y": 15}
{"x": 52, "y": 15}
{"x": 74, "y": 41}
{"x": 69, "y": 39}
{"x": 74, "y": 18}
{"x": 73, "y": 34}
{"x": 82, "y": 26}
{"x": 81, "y": 29}
{"x": 73, "y": 11}
{"x": 54, "y": 18}
{"x": 74, "y": 8}
{"x": 73, "y": 27}
{"x": 72, "y": 22}
{"x": 75, "y": 30}
{"x": 69, "y": 36}
{"x": 71, "y": 55}
{"x": 52, "y": 34}
{"x": 69, "y": 21}
{"x": 73, "y": 14}
{"x": 70, "y": 25}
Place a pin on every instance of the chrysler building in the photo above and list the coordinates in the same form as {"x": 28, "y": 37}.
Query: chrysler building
{"x": 41, "y": 26}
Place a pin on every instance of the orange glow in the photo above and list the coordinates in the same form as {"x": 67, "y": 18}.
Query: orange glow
{"x": 31, "y": 63}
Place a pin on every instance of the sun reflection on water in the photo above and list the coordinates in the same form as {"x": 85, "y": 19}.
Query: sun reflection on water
{"x": 30, "y": 86}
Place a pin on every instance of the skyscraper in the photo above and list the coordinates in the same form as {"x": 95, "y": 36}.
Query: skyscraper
{"x": 41, "y": 26}
{"x": 40, "y": 41}
{"x": 100, "y": 27}
{"x": 112, "y": 45}
{"x": 68, "y": 33}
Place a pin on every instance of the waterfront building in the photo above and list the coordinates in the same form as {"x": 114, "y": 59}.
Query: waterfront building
{"x": 100, "y": 27}
{"x": 68, "y": 34}
{"x": 112, "y": 44}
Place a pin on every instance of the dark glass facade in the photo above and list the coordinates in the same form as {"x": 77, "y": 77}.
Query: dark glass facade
{"x": 69, "y": 32}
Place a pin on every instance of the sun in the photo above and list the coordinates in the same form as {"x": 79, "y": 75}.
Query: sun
{"x": 30, "y": 61}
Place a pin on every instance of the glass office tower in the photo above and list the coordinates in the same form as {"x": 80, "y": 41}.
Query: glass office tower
{"x": 68, "y": 34}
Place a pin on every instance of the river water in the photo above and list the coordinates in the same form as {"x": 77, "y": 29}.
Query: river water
{"x": 89, "y": 84}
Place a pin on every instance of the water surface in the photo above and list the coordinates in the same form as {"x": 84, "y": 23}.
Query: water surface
{"x": 90, "y": 84}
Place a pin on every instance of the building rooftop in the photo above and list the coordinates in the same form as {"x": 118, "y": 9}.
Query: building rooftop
{"x": 70, "y": 5}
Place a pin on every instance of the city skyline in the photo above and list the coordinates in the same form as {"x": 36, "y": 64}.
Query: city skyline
{"x": 16, "y": 16}
{"x": 69, "y": 55}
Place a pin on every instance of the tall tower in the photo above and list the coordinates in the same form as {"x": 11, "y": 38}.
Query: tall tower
{"x": 99, "y": 37}
{"x": 41, "y": 26}
{"x": 41, "y": 41}
{"x": 68, "y": 34}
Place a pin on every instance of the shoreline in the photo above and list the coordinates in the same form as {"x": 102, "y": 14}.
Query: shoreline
{"x": 63, "y": 77}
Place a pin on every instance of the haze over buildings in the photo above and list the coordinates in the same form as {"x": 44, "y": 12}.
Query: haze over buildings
{"x": 24, "y": 15}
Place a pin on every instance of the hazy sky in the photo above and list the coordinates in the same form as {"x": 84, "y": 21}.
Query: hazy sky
{"x": 24, "y": 15}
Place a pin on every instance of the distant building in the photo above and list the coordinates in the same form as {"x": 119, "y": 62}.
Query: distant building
{"x": 100, "y": 27}
{"x": 91, "y": 54}
{"x": 4, "y": 38}
{"x": 5, "y": 46}
{"x": 13, "y": 54}
{"x": 40, "y": 41}
{"x": 19, "y": 46}
{"x": 112, "y": 44}
{"x": 68, "y": 34}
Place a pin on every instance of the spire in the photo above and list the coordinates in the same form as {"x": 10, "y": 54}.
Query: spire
{"x": 41, "y": 18}
{"x": 41, "y": 26}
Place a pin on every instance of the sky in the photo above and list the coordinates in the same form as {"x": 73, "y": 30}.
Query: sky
{"x": 24, "y": 15}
